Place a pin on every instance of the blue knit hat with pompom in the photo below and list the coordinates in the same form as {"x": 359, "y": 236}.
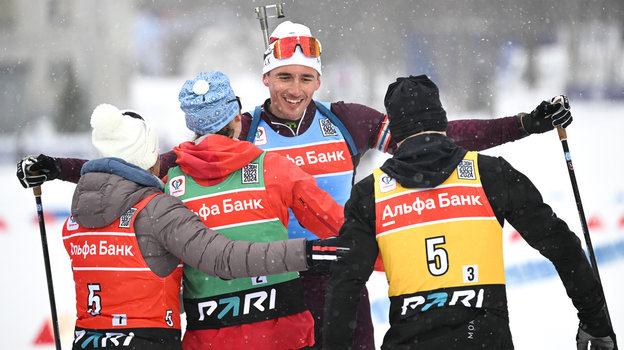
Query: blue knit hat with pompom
{"x": 208, "y": 102}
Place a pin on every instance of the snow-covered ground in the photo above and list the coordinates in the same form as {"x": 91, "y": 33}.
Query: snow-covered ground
{"x": 542, "y": 317}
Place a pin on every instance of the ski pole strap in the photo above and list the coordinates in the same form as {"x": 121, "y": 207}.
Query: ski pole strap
{"x": 255, "y": 120}
{"x": 324, "y": 108}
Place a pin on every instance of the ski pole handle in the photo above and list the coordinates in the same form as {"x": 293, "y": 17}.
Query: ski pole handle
{"x": 560, "y": 130}
{"x": 563, "y": 135}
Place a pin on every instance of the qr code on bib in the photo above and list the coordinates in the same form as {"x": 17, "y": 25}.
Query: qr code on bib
{"x": 465, "y": 170}
{"x": 327, "y": 127}
{"x": 125, "y": 219}
{"x": 250, "y": 174}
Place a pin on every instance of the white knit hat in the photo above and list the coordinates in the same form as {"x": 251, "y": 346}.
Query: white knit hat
{"x": 125, "y": 135}
{"x": 283, "y": 30}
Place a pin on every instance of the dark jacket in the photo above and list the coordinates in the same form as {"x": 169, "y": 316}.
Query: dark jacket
{"x": 425, "y": 161}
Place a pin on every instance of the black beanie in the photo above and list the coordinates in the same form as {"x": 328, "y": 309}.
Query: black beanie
{"x": 413, "y": 106}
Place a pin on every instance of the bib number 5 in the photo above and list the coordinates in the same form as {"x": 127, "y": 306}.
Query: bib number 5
{"x": 94, "y": 304}
{"x": 437, "y": 257}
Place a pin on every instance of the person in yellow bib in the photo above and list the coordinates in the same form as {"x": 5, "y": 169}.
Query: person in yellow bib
{"x": 435, "y": 213}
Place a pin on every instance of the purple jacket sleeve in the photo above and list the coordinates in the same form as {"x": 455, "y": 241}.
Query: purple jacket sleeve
{"x": 362, "y": 122}
{"x": 480, "y": 134}
{"x": 70, "y": 169}
{"x": 364, "y": 125}
{"x": 167, "y": 161}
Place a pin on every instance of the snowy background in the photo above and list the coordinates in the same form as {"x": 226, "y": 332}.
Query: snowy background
{"x": 542, "y": 317}
{"x": 489, "y": 58}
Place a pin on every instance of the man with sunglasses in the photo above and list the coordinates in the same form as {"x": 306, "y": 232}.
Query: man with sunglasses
{"x": 326, "y": 139}
{"x": 243, "y": 193}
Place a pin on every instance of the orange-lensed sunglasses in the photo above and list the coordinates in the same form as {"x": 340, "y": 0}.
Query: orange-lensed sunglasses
{"x": 285, "y": 47}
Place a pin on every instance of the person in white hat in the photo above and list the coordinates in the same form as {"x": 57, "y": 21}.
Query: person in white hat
{"x": 126, "y": 240}
{"x": 326, "y": 139}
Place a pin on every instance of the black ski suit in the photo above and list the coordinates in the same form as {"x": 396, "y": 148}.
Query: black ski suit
{"x": 425, "y": 161}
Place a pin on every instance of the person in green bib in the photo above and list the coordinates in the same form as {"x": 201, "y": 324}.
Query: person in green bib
{"x": 243, "y": 193}
{"x": 126, "y": 241}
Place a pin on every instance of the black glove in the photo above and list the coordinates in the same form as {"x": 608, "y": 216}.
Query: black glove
{"x": 547, "y": 116}
{"x": 320, "y": 253}
{"x": 586, "y": 341}
{"x": 32, "y": 171}
{"x": 595, "y": 329}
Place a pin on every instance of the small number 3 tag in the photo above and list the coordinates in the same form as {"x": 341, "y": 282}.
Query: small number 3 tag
{"x": 471, "y": 273}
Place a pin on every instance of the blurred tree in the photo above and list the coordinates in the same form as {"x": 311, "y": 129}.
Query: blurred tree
{"x": 72, "y": 114}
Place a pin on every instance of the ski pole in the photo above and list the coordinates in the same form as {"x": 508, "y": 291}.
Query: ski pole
{"x": 563, "y": 137}
{"x": 46, "y": 259}
{"x": 262, "y": 17}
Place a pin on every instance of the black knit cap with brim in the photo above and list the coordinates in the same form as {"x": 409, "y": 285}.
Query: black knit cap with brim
{"x": 413, "y": 106}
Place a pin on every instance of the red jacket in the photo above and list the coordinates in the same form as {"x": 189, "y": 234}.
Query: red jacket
{"x": 216, "y": 157}
{"x": 211, "y": 160}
